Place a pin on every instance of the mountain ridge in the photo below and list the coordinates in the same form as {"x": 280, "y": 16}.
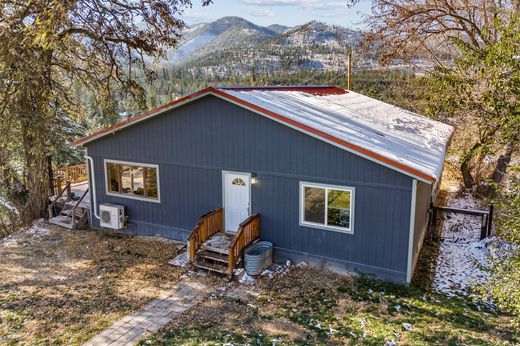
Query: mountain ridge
{"x": 234, "y": 45}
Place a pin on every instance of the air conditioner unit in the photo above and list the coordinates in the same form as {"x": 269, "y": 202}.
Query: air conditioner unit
{"x": 112, "y": 216}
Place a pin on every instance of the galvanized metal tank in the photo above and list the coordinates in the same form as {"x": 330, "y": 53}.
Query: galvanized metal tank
{"x": 258, "y": 257}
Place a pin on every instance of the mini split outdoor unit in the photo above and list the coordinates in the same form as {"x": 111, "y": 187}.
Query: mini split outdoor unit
{"x": 112, "y": 216}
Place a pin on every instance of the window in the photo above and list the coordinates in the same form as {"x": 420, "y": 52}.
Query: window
{"x": 327, "y": 206}
{"x": 238, "y": 181}
{"x": 132, "y": 180}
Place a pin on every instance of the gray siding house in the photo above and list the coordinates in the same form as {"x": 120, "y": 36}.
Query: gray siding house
{"x": 340, "y": 180}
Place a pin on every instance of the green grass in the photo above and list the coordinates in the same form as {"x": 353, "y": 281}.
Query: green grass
{"x": 335, "y": 310}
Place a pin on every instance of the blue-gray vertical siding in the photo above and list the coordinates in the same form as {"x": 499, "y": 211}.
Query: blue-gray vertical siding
{"x": 194, "y": 143}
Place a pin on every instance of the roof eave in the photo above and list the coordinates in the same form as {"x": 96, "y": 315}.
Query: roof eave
{"x": 380, "y": 159}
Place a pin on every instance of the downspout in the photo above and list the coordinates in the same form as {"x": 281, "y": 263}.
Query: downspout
{"x": 409, "y": 269}
{"x": 93, "y": 180}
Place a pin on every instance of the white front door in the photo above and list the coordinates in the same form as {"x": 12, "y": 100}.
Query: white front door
{"x": 237, "y": 197}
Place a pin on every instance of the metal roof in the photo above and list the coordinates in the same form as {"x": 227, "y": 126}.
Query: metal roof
{"x": 404, "y": 141}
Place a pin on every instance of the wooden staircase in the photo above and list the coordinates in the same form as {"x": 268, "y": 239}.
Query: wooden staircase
{"x": 217, "y": 251}
{"x": 68, "y": 213}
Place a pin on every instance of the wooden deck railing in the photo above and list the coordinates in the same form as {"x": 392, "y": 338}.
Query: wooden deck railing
{"x": 208, "y": 225}
{"x": 74, "y": 174}
{"x": 248, "y": 231}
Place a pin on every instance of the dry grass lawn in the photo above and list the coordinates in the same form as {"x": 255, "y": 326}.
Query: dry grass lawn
{"x": 62, "y": 287}
{"x": 308, "y": 306}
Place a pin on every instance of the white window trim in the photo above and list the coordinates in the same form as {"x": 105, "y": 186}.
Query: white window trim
{"x": 304, "y": 223}
{"x": 128, "y": 196}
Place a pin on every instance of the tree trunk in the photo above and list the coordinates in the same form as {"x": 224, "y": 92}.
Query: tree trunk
{"x": 37, "y": 190}
{"x": 502, "y": 163}
{"x": 465, "y": 168}
{"x": 36, "y": 130}
{"x": 468, "y": 179}
{"x": 36, "y": 167}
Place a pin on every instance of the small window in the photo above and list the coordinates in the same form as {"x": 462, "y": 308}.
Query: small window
{"x": 238, "y": 181}
{"x": 327, "y": 206}
{"x": 132, "y": 180}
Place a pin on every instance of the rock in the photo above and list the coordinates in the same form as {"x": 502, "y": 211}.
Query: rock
{"x": 302, "y": 264}
{"x": 288, "y": 263}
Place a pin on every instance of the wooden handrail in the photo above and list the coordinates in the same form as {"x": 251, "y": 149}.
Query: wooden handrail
{"x": 57, "y": 198}
{"x": 81, "y": 199}
{"x": 73, "y": 211}
{"x": 248, "y": 231}
{"x": 208, "y": 225}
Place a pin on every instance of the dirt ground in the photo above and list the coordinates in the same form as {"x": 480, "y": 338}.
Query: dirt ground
{"x": 62, "y": 287}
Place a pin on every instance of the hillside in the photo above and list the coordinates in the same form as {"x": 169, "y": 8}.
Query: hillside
{"x": 235, "y": 46}
{"x": 223, "y": 34}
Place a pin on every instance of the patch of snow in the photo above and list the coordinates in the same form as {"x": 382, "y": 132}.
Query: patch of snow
{"x": 407, "y": 326}
{"x": 267, "y": 273}
{"x": 220, "y": 241}
{"x": 182, "y": 260}
{"x": 7, "y": 205}
{"x": 464, "y": 258}
{"x": 38, "y": 228}
{"x": 8, "y": 241}
{"x": 246, "y": 279}
{"x": 191, "y": 46}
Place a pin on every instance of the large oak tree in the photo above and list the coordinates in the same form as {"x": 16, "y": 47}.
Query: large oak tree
{"x": 474, "y": 46}
{"x": 50, "y": 47}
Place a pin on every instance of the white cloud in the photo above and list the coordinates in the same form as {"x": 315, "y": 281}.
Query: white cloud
{"x": 300, "y": 3}
{"x": 192, "y": 16}
{"x": 306, "y": 4}
{"x": 336, "y": 5}
{"x": 332, "y": 14}
{"x": 261, "y": 12}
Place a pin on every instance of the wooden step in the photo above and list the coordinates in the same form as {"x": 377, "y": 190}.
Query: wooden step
{"x": 215, "y": 249}
{"x": 217, "y": 257}
{"x": 62, "y": 221}
{"x": 218, "y": 268}
{"x": 78, "y": 215}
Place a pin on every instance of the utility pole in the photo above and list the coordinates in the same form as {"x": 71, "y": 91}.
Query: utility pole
{"x": 349, "y": 71}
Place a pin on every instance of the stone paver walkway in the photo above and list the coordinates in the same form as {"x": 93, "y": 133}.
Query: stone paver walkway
{"x": 132, "y": 328}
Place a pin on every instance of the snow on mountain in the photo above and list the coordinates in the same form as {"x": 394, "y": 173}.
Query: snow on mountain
{"x": 277, "y": 28}
{"x": 320, "y": 33}
{"x": 233, "y": 45}
{"x": 224, "y": 33}
{"x": 192, "y": 45}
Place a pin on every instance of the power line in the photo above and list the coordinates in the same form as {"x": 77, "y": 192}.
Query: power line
{"x": 326, "y": 82}
{"x": 333, "y": 79}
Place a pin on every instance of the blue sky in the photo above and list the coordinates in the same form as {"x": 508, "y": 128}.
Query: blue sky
{"x": 285, "y": 12}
